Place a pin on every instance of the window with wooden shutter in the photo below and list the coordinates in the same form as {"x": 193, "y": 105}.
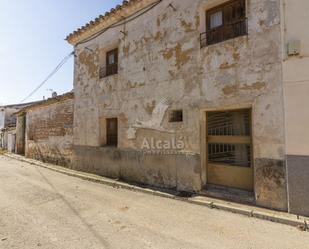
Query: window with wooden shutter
{"x": 112, "y": 132}
{"x": 224, "y": 22}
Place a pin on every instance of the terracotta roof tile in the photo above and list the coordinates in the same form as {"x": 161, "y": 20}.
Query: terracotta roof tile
{"x": 100, "y": 18}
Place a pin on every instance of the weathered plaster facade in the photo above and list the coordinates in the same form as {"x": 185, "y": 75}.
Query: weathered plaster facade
{"x": 160, "y": 61}
{"x": 45, "y": 130}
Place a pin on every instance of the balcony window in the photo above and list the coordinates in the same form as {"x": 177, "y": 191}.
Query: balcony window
{"x": 225, "y": 22}
{"x": 111, "y": 64}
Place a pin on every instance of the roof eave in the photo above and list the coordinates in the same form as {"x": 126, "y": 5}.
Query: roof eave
{"x": 115, "y": 15}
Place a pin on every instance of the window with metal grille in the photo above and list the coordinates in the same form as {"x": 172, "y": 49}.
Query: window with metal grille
{"x": 229, "y": 138}
{"x": 112, "y": 62}
{"x": 111, "y": 131}
{"x": 224, "y": 22}
{"x": 176, "y": 116}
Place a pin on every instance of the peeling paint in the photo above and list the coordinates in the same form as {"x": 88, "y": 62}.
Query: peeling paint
{"x": 165, "y": 60}
{"x": 150, "y": 107}
{"x": 88, "y": 60}
{"x": 181, "y": 56}
{"x": 126, "y": 50}
{"x": 188, "y": 27}
{"x": 233, "y": 89}
{"x": 226, "y": 65}
{"x": 255, "y": 86}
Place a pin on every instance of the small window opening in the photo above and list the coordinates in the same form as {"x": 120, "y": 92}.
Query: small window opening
{"x": 176, "y": 116}
{"x": 112, "y": 62}
{"x": 112, "y": 132}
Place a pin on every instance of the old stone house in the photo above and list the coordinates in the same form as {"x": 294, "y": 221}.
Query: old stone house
{"x": 44, "y": 130}
{"x": 193, "y": 96}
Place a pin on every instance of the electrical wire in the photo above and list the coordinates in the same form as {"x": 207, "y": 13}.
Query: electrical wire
{"x": 63, "y": 61}
{"x": 121, "y": 22}
{"x": 117, "y": 24}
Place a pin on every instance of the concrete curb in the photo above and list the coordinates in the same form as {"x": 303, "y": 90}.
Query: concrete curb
{"x": 250, "y": 211}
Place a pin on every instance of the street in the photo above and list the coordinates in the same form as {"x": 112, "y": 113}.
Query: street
{"x": 44, "y": 209}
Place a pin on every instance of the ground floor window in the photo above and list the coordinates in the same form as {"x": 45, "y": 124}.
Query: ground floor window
{"x": 111, "y": 131}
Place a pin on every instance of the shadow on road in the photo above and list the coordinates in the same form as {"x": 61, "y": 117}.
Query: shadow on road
{"x": 102, "y": 240}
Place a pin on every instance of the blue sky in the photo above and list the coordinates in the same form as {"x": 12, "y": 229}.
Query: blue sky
{"x": 32, "y": 43}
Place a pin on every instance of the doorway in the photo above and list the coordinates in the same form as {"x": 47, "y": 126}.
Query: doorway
{"x": 229, "y": 149}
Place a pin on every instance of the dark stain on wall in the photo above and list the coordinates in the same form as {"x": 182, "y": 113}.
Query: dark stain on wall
{"x": 270, "y": 183}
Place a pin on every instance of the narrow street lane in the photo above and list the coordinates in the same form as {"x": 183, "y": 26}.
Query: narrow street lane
{"x": 40, "y": 208}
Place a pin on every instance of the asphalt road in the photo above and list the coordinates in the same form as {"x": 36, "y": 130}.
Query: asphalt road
{"x": 40, "y": 208}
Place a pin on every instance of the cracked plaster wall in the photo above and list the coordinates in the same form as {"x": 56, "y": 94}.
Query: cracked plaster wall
{"x": 160, "y": 57}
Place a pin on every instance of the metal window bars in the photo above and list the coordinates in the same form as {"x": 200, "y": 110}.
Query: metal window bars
{"x": 225, "y": 32}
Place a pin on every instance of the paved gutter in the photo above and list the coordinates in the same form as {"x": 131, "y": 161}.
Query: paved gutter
{"x": 261, "y": 213}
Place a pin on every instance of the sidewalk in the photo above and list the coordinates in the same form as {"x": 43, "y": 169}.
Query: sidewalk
{"x": 250, "y": 211}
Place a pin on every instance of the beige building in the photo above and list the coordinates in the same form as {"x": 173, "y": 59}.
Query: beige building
{"x": 191, "y": 95}
{"x": 295, "y": 20}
